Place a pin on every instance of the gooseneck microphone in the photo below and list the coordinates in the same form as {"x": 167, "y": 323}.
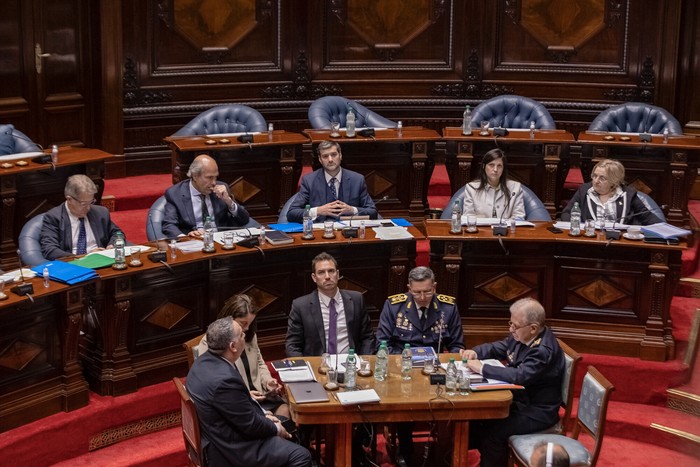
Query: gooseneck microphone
{"x": 23, "y": 288}
{"x": 501, "y": 229}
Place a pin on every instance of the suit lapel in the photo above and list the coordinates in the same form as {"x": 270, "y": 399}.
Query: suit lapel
{"x": 96, "y": 226}
{"x": 187, "y": 203}
{"x": 349, "y": 308}
{"x": 318, "y": 319}
{"x": 66, "y": 229}
{"x": 344, "y": 192}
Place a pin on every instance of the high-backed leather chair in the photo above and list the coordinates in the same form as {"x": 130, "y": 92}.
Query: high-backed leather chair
{"x": 510, "y": 111}
{"x": 13, "y": 141}
{"x": 282, "y": 218}
{"x": 534, "y": 208}
{"x": 636, "y": 117}
{"x": 190, "y": 427}
{"x": 227, "y": 118}
{"x": 329, "y": 109}
{"x": 30, "y": 242}
{"x": 154, "y": 222}
{"x": 651, "y": 205}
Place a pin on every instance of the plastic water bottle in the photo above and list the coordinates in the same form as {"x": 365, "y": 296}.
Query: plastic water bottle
{"x": 381, "y": 362}
{"x": 119, "y": 251}
{"x": 665, "y": 135}
{"x": 576, "y": 220}
{"x": 350, "y": 123}
{"x": 308, "y": 224}
{"x": 467, "y": 121}
{"x": 532, "y": 129}
{"x": 451, "y": 379}
{"x": 208, "y": 237}
{"x": 46, "y": 277}
{"x": 350, "y": 370}
{"x": 54, "y": 154}
{"x": 399, "y": 129}
{"x": 363, "y": 229}
{"x": 456, "y": 219}
{"x": 406, "y": 362}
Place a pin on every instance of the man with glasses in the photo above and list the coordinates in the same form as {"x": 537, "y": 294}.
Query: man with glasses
{"x": 419, "y": 317}
{"x": 332, "y": 191}
{"x": 77, "y": 226}
{"x": 532, "y": 359}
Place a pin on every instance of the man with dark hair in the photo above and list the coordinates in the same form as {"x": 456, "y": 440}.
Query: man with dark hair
{"x": 328, "y": 319}
{"x": 549, "y": 455}
{"x": 77, "y": 226}
{"x": 332, "y": 191}
{"x": 191, "y": 201}
{"x": 534, "y": 360}
{"x": 235, "y": 429}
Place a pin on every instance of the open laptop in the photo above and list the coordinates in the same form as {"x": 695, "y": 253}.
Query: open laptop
{"x": 310, "y": 391}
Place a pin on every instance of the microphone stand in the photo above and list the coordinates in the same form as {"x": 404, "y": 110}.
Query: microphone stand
{"x": 23, "y": 288}
{"x": 501, "y": 229}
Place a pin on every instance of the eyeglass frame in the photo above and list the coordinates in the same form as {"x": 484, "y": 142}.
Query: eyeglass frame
{"x": 511, "y": 325}
{"x": 422, "y": 293}
{"x": 83, "y": 203}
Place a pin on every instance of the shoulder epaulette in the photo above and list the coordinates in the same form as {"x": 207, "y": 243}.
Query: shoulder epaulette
{"x": 446, "y": 299}
{"x": 398, "y": 298}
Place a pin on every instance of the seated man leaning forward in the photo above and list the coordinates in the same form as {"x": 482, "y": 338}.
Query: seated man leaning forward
{"x": 332, "y": 191}
{"x": 235, "y": 429}
{"x": 191, "y": 201}
{"x": 65, "y": 231}
{"x": 534, "y": 360}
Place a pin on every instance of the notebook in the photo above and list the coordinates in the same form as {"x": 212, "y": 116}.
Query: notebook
{"x": 308, "y": 392}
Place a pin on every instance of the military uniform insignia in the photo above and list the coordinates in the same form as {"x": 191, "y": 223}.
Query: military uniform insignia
{"x": 536, "y": 342}
{"x": 511, "y": 356}
{"x": 398, "y": 298}
{"x": 446, "y": 299}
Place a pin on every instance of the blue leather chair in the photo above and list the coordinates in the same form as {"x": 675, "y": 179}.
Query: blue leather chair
{"x": 14, "y": 141}
{"x": 509, "y": 111}
{"x": 282, "y": 218}
{"x": 228, "y": 118}
{"x": 534, "y": 208}
{"x": 651, "y": 205}
{"x": 154, "y": 222}
{"x": 329, "y": 109}
{"x": 636, "y": 117}
{"x": 30, "y": 242}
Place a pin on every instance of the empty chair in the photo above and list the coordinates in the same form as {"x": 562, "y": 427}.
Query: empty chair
{"x": 534, "y": 208}
{"x": 329, "y": 109}
{"x": 636, "y": 117}
{"x": 190, "y": 426}
{"x": 651, "y": 205}
{"x": 590, "y": 418}
{"x": 13, "y": 141}
{"x": 509, "y": 111}
{"x": 572, "y": 359}
{"x": 282, "y": 218}
{"x": 30, "y": 242}
{"x": 227, "y": 118}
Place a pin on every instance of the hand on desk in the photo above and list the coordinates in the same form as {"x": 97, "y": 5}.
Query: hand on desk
{"x": 196, "y": 233}
{"x": 468, "y": 353}
{"x": 336, "y": 208}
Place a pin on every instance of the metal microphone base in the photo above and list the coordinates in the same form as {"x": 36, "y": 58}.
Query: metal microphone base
{"x": 350, "y": 232}
{"x": 612, "y": 234}
{"x": 500, "y": 230}
{"x": 23, "y": 289}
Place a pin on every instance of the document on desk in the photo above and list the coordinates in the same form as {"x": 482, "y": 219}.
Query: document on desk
{"x": 490, "y": 384}
{"x": 392, "y": 233}
{"x": 364, "y": 396}
{"x": 296, "y": 374}
{"x": 484, "y": 221}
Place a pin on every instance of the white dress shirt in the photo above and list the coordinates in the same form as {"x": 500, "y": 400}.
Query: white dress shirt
{"x": 342, "y": 339}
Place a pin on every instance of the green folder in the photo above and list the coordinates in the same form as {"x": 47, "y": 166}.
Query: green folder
{"x": 93, "y": 261}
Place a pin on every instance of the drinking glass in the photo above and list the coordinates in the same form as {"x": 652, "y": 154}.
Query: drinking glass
{"x": 328, "y": 229}
{"x": 335, "y": 129}
{"x": 364, "y": 368}
{"x": 471, "y": 223}
{"x": 463, "y": 381}
{"x": 135, "y": 257}
{"x": 590, "y": 228}
{"x": 325, "y": 363}
{"x": 3, "y": 295}
{"x": 484, "y": 128}
{"x": 331, "y": 380}
{"x": 228, "y": 240}
{"x": 429, "y": 366}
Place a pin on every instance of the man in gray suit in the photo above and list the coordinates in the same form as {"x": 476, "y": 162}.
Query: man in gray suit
{"x": 65, "y": 231}
{"x": 328, "y": 319}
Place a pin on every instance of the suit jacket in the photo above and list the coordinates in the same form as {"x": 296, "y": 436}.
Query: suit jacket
{"x": 57, "y": 236}
{"x": 306, "y": 335}
{"x": 315, "y": 192}
{"x": 539, "y": 367}
{"x": 630, "y": 209}
{"x": 179, "y": 218}
{"x": 232, "y": 425}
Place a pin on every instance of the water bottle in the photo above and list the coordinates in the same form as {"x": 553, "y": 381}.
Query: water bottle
{"x": 665, "y": 135}
{"x": 54, "y": 154}
{"x": 576, "y": 220}
{"x": 350, "y": 123}
{"x": 406, "y": 362}
{"x": 46, "y": 277}
{"x": 208, "y": 237}
{"x": 350, "y": 370}
{"x": 363, "y": 229}
{"x": 451, "y": 379}
{"x": 270, "y": 130}
{"x": 532, "y": 130}
{"x": 467, "y": 121}
{"x": 308, "y": 224}
{"x": 119, "y": 251}
{"x": 381, "y": 362}
{"x": 399, "y": 129}
{"x": 456, "y": 219}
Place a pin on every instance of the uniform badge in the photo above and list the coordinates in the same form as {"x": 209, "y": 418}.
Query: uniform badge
{"x": 446, "y": 299}
{"x": 398, "y": 298}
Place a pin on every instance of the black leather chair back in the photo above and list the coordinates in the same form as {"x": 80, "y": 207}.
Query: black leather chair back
{"x": 228, "y": 118}
{"x": 329, "y": 109}
{"x": 510, "y": 111}
{"x": 636, "y": 117}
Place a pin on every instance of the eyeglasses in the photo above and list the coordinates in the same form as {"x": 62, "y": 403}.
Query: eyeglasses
{"x": 427, "y": 294}
{"x": 84, "y": 203}
{"x": 512, "y": 325}
{"x": 602, "y": 178}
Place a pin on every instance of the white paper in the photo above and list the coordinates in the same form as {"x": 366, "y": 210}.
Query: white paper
{"x": 238, "y": 235}
{"x": 358, "y": 397}
{"x": 392, "y": 233}
{"x": 484, "y": 221}
{"x": 228, "y": 135}
{"x": 109, "y": 253}
{"x": 16, "y": 276}
{"x": 297, "y": 375}
{"x": 664, "y": 230}
{"x": 21, "y": 155}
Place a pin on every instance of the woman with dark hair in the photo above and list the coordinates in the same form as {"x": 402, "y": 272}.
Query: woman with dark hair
{"x": 263, "y": 387}
{"x": 493, "y": 195}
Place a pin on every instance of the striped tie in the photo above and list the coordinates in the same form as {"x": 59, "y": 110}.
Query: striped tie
{"x": 81, "y": 249}
{"x": 334, "y": 192}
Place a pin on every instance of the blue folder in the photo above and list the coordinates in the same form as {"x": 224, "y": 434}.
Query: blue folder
{"x": 66, "y": 273}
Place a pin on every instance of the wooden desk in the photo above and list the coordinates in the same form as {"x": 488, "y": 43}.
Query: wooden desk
{"x": 395, "y": 165}
{"x": 139, "y": 318}
{"x": 39, "y": 370}
{"x": 601, "y": 297}
{"x": 664, "y": 171}
{"x": 541, "y": 163}
{"x": 262, "y": 175}
{"x": 401, "y": 401}
{"x": 35, "y": 188}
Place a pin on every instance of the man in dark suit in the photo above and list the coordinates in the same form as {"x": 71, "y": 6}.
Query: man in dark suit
{"x": 65, "y": 231}
{"x": 332, "y": 191}
{"x": 189, "y": 202}
{"x": 534, "y": 360}
{"x": 235, "y": 429}
{"x": 310, "y": 329}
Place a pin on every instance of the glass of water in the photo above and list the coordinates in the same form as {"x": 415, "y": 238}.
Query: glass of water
{"x": 463, "y": 381}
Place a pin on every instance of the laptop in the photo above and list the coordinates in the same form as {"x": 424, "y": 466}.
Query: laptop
{"x": 311, "y": 391}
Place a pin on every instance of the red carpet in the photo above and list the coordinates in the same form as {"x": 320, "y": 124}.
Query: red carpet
{"x": 137, "y": 192}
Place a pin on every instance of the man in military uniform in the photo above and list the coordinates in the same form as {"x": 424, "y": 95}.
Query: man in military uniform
{"x": 419, "y": 318}
{"x": 534, "y": 360}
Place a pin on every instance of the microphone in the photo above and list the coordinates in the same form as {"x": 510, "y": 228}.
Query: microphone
{"x": 157, "y": 256}
{"x": 352, "y": 232}
{"x": 500, "y": 229}
{"x": 24, "y": 288}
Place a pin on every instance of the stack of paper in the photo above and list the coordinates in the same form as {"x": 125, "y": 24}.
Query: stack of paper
{"x": 664, "y": 230}
{"x": 294, "y": 373}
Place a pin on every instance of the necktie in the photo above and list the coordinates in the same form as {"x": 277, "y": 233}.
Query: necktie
{"x": 81, "y": 248}
{"x": 423, "y": 316}
{"x": 332, "y": 327}
{"x": 334, "y": 192}
{"x": 205, "y": 210}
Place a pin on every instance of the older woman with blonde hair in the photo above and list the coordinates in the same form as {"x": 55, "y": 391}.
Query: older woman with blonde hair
{"x": 607, "y": 196}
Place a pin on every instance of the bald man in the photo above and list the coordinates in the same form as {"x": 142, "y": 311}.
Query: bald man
{"x": 549, "y": 455}
{"x": 189, "y": 202}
